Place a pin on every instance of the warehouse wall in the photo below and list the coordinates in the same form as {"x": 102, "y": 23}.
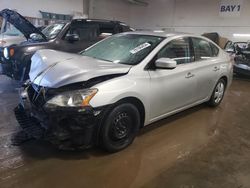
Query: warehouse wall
{"x": 32, "y": 7}
{"x": 203, "y": 16}
{"x": 158, "y": 14}
{"x": 194, "y": 16}
{"x": 110, "y": 9}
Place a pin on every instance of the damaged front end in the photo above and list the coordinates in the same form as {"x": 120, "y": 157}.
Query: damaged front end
{"x": 68, "y": 127}
{"x": 57, "y": 97}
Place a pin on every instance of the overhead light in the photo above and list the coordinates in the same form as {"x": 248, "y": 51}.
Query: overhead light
{"x": 241, "y": 35}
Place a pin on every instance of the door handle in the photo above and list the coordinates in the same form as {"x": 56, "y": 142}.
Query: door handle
{"x": 189, "y": 75}
{"x": 216, "y": 69}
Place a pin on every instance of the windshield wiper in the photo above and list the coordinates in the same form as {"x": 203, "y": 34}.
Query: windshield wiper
{"x": 97, "y": 58}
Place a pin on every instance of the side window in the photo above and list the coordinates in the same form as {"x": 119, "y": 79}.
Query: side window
{"x": 178, "y": 50}
{"x": 108, "y": 28}
{"x": 202, "y": 49}
{"x": 125, "y": 28}
{"x": 85, "y": 32}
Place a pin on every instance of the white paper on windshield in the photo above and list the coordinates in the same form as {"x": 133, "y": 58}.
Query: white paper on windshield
{"x": 139, "y": 48}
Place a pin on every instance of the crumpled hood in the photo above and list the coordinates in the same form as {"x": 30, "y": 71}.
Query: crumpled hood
{"x": 54, "y": 69}
{"x": 22, "y": 24}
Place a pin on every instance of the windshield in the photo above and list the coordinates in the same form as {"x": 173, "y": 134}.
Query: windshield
{"x": 53, "y": 30}
{"x": 128, "y": 49}
{"x": 10, "y": 30}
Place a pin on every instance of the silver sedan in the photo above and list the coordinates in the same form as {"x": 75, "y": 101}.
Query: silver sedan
{"x": 123, "y": 83}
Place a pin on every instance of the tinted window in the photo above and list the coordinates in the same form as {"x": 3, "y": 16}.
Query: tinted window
{"x": 202, "y": 49}
{"x": 108, "y": 28}
{"x": 126, "y": 28}
{"x": 178, "y": 50}
{"x": 85, "y": 31}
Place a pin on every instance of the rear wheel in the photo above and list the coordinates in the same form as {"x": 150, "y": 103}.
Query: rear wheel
{"x": 218, "y": 93}
{"x": 120, "y": 127}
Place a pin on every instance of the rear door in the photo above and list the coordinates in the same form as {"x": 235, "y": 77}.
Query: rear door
{"x": 207, "y": 66}
{"x": 172, "y": 89}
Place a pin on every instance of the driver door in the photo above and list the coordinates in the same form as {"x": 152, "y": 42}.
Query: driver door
{"x": 173, "y": 89}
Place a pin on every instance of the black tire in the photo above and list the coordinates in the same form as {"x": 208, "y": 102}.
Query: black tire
{"x": 216, "y": 99}
{"x": 120, "y": 127}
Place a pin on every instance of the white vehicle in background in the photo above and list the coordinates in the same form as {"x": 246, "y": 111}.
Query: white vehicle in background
{"x": 10, "y": 35}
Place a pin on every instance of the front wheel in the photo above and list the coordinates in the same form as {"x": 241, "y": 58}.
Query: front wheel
{"x": 218, "y": 93}
{"x": 120, "y": 127}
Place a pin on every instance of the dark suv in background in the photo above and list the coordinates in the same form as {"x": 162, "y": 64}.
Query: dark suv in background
{"x": 72, "y": 37}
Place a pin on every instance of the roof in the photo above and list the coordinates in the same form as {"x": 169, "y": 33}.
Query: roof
{"x": 98, "y": 20}
{"x": 159, "y": 33}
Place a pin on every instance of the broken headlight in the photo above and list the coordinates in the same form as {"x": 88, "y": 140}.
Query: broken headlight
{"x": 78, "y": 98}
{"x": 7, "y": 53}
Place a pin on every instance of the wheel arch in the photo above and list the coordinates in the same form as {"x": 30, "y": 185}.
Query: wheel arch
{"x": 225, "y": 79}
{"x": 139, "y": 105}
{"x": 133, "y": 100}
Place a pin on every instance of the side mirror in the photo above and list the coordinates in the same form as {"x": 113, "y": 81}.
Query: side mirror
{"x": 230, "y": 50}
{"x": 36, "y": 37}
{"x": 165, "y": 63}
{"x": 72, "y": 37}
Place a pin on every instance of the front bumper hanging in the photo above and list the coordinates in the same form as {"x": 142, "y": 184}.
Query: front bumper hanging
{"x": 67, "y": 128}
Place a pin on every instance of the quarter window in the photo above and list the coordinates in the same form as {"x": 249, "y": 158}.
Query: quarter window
{"x": 215, "y": 50}
{"x": 178, "y": 50}
{"x": 203, "y": 49}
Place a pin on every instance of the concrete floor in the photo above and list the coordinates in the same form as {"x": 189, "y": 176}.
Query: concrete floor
{"x": 199, "y": 148}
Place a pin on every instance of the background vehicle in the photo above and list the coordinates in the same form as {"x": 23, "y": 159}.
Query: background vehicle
{"x": 234, "y": 47}
{"x": 11, "y": 36}
{"x": 108, "y": 92}
{"x": 240, "y": 51}
{"x": 15, "y": 30}
{"x": 70, "y": 37}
